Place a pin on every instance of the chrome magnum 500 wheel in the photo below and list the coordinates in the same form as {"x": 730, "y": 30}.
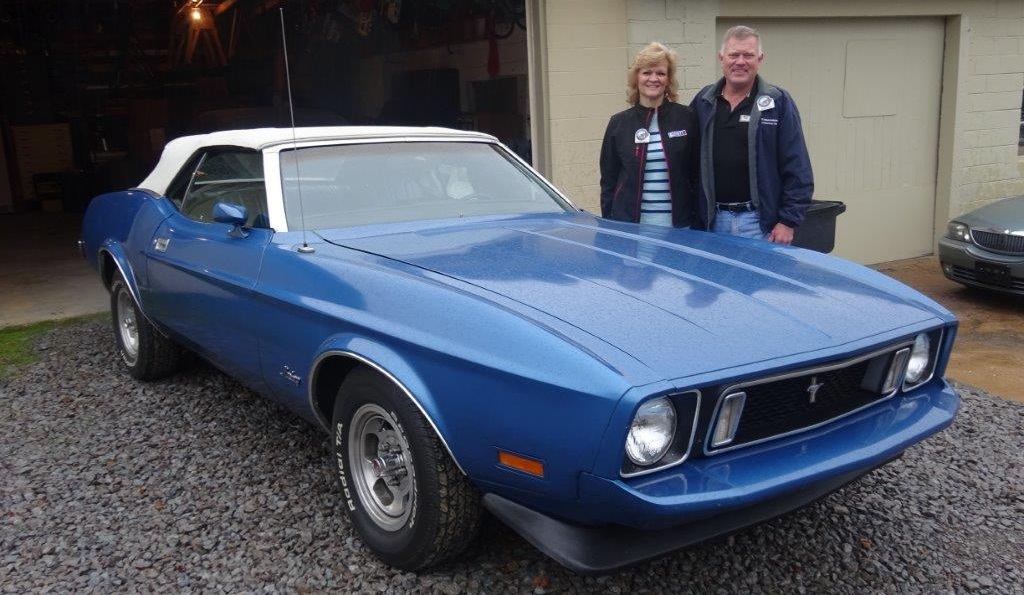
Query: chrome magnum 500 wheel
{"x": 381, "y": 463}
{"x": 404, "y": 495}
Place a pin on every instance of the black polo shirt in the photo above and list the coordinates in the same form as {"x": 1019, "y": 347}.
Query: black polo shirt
{"x": 730, "y": 153}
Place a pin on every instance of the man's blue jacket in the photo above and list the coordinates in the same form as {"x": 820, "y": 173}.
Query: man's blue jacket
{"x": 781, "y": 182}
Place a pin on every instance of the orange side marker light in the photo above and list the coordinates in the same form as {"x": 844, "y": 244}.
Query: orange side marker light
{"x": 528, "y": 466}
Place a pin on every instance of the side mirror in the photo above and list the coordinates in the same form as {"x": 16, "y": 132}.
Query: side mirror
{"x": 232, "y": 214}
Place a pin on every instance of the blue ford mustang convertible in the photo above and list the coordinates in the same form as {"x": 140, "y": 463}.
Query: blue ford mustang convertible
{"x": 473, "y": 341}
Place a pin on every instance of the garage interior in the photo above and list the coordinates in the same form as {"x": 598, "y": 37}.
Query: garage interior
{"x": 94, "y": 88}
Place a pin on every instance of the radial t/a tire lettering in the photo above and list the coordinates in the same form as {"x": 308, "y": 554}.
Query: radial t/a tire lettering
{"x": 409, "y": 502}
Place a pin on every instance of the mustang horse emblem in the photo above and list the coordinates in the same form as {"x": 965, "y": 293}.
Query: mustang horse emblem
{"x": 813, "y": 388}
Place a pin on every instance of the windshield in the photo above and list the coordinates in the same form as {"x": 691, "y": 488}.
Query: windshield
{"x": 347, "y": 185}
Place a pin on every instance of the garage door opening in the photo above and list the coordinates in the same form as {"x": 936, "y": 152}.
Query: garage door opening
{"x": 103, "y": 85}
{"x": 459, "y": 64}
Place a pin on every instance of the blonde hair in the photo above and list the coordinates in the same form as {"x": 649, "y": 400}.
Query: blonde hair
{"x": 651, "y": 55}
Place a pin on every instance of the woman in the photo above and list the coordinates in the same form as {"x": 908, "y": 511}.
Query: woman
{"x": 649, "y": 154}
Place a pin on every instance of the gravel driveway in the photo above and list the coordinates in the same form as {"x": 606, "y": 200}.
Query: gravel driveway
{"x": 194, "y": 484}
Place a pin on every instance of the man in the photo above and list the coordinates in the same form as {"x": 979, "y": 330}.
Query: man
{"x": 755, "y": 173}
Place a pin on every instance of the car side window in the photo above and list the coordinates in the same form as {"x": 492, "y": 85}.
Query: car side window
{"x": 178, "y": 186}
{"x": 230, "y": 175}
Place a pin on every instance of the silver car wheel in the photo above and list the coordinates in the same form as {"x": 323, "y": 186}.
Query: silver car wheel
{"x": 127, "y": 326}
{"x": 381, "y": 462}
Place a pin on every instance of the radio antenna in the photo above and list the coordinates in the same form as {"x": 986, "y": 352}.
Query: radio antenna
{"x": 304, "y": 248}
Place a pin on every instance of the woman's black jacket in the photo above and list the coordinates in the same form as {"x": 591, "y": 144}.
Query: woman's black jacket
{"x": 623, "y": 159}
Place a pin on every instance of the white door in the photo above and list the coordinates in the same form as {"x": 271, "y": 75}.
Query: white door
{"x": 868, "y": 91}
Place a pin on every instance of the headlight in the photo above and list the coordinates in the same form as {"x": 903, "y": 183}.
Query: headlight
{"x": 958, "y": 231}
{"x": 651, "y": 432}
{"x": 920, "y": 353}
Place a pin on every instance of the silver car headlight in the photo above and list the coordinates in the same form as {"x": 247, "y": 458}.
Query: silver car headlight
{"x": 958, "y": 231}
{"x": 650, "y": 434}
{"x": 920, "y": 358}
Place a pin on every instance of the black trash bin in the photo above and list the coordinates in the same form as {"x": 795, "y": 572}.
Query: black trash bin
{"x": 818, "y": 231}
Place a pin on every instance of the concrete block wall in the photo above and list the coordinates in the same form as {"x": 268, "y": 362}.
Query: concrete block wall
{"x": 590, "y": 45}
{"x": 587, "y": 59}
{"x": 987, "y": 166}
{"x": 688, "y": 27}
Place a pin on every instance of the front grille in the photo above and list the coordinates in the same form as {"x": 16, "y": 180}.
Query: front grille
{"x": 786, "y": 404}
{"x": 999, "y": 242}
{"x": 965, "y": 275}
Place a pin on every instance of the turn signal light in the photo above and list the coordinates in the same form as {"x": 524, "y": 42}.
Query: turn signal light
{"x": 528, "y": 466}
{"x": 728, "y": 419}
{"x": 897, "y": 370}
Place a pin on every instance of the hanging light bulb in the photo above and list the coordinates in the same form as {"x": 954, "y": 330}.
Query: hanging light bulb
{"x": 195, "y": 14}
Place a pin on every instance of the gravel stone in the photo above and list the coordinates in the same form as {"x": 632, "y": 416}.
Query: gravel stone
{"x": 196, "y": 485}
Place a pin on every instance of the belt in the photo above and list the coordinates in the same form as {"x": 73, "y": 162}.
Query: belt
{"x": 735, "y": 207}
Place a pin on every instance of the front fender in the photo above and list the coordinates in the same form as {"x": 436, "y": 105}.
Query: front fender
{"x": 478, "y": 412}
{"x": 390, "y": 364}
{"x": 489, "y": 376}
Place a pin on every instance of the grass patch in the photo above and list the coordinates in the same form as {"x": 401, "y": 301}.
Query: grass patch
{"x": 16, "y": 341}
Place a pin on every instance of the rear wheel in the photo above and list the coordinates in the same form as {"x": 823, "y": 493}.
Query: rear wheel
{"x": 404, "y": 495}
{"x": 146, "y": 353}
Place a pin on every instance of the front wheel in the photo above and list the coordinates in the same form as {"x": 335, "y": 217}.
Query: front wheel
{"x": 404, "y": 495}
{"x": 146, "y": 353}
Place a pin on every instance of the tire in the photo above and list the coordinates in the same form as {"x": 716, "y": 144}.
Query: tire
{"x": 404, "y": 495}
{"x": 147, "y": 354}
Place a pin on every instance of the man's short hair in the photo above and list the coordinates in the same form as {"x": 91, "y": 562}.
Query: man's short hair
{"x": 741, "y": 32}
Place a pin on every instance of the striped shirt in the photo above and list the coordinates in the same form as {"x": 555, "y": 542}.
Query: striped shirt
{"x": 656, "y": 201}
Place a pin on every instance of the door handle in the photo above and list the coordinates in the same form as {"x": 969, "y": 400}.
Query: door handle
{"x": 160, "y": 244}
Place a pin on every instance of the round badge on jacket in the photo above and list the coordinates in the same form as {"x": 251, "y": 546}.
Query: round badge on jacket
{"x": 642, "y": 136}
{"x": 765, "y": 102}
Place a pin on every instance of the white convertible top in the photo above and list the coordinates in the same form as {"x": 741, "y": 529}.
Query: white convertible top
{"x": 177, "y": 152}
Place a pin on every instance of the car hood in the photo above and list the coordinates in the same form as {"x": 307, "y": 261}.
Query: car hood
{"x": 681, "y": 302}
{"x": 1005, "y": 214}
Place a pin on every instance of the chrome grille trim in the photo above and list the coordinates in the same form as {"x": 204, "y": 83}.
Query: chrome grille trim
{"x": 708, "y": 450}
{"x": 1001, "y": 241}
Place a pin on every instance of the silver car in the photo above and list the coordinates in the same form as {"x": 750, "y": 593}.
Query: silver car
{"x": 985, "y": 248}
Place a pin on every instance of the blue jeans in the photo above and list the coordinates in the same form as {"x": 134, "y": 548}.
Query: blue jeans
{"x": 745, "y": 225}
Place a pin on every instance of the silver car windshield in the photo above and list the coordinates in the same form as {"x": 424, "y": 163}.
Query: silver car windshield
{"x": 363, "y": 184}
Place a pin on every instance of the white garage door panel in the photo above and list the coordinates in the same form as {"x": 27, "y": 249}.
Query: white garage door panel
{"x": 868, "y": 92}
{"x": 864, "y": 78}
